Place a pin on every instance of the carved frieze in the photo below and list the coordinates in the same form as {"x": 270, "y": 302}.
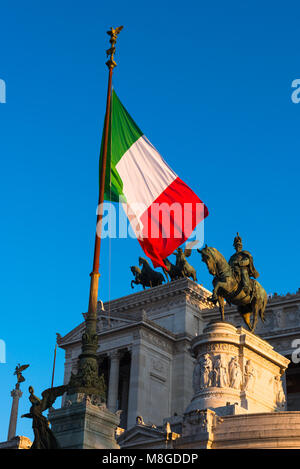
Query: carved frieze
{"x": 154, "y": 339}
{"x": 199, "y": 421}
{"x": 250, "y": 375}
{"x": 217, "y": 370}
{"x": 235, "y": 373}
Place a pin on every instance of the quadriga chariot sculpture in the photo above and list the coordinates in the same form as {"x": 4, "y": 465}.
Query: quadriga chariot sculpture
{"x": 182, "y": 268}
{"x": 147, "y": 277}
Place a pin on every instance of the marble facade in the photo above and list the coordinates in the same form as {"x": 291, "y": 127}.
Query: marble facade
{"x": 144, "y": 348}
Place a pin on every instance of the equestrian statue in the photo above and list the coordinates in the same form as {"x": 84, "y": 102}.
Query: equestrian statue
{"x": 235, "y": 281}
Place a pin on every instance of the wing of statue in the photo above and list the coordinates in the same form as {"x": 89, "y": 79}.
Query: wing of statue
{"x": 114, "y": 31}
{"x": 23, "y": 367}
{"x": 49, "y": 396}
{"x": 188, "y": 248}
{"x": 19, "y": 369}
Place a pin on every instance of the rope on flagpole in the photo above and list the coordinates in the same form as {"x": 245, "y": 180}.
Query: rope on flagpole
{"x": 109, "y": 242}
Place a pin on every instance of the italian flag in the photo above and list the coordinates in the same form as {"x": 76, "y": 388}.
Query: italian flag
{"x": 162, "y": 209}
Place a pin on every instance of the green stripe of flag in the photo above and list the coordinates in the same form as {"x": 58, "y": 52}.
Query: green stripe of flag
{"x": 123, "y": 133}
{"x": 124, "y": 130}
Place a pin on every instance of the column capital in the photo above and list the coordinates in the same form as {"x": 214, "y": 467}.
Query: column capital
{"x": 16, "y": 393}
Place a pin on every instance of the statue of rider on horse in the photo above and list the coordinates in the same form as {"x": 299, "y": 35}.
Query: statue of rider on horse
{"x": 236, "y": 282}
{"x": 243, "y": 267}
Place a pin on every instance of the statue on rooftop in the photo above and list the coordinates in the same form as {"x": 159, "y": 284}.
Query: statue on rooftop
{"x": 236, "y": 283}
{"x": 147, "y": 277}
{"x": 171, "y": 271}
{"x": 183, "y": 268}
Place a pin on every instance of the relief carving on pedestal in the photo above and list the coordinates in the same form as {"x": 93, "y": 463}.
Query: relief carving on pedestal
{"x": 202, "y": 420}
{"x": 217, "y": 372}
{"x": 249, "y": 376}
{"x": 220, "y": 372}
{"x": 279, "y": 392}
{"x": 86, "y": 398}
{"x": 202, "y": 377}
{"x": 235, "y": 373}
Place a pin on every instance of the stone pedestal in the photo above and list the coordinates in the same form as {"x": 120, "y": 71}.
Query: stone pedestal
{"x": 236, "y": 372}
{"x": 84, "y": 423}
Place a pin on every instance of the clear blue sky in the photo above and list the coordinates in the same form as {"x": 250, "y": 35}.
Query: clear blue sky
{"x": 210, "y": 85}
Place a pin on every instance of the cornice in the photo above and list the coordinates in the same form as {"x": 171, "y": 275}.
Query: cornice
{"x": 156, "y": 294}
{"x": 111, "y": 320}
{"x": 273, "y": 302}
{"x": 289, "y": 298}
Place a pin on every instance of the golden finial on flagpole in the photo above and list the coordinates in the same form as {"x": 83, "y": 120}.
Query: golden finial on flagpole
{"x": 113, "y": 33}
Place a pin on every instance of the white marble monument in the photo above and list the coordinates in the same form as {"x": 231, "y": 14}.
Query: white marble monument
{"x": 144, "y": 351}
{"x": 236, "y": 369}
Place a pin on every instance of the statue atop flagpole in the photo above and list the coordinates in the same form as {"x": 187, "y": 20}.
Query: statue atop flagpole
{"x": 113, "y": 33}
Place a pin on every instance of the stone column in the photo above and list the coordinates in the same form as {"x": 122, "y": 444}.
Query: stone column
{"x": 124, "y": 401}
{"x": 138, "y": 384}
{"x": 124, "y": 396}
{"x": 15, "y": 394}
{"x": 113, "y": 386}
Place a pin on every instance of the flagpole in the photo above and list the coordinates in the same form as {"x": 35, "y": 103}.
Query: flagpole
{"x": 92, "y": 311}
{"x": 53, "y": 369}
{"x": 87, "y": 379}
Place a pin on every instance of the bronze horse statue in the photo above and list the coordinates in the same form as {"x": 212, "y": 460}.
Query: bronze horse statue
{"x": 228, "y": 286}
{"x": 147, "y": 277}
{"x": 183, "y": 267}
{"x": 171, "y": 271}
